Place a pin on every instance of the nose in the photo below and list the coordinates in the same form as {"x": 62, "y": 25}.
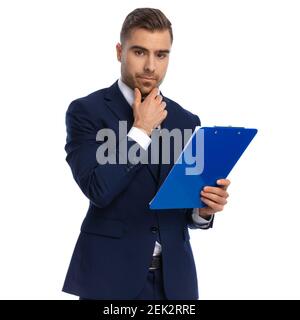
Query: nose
{"x": 149, "y": 64}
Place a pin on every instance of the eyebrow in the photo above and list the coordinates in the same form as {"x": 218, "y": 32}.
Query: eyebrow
{"x": 144, "y": 49}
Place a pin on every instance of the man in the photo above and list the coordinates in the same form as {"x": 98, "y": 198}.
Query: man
{"x": 125, "y": 250}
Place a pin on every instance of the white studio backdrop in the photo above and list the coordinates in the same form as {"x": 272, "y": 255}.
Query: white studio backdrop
{"x": 232, "y": 63}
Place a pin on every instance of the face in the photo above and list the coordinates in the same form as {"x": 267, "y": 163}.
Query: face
{"x": 144, "y": 59}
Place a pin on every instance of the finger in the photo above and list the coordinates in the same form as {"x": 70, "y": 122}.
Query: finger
{"x": 154, "y": 92}
{"x": 216, "y": 198}
{"x": 162, "y": 118}
{"x": 216, "y": 207}
{"x": 217, "y": 190}
{"x": 164, "y": 114}
{"x": 137, "y": 96}
{"x": 224, "y": 183}
{"x": 163, "y": 105}
{"x": 159, "y": 98}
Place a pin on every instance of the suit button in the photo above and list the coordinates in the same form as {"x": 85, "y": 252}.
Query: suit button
{"x": 154, "y": 229}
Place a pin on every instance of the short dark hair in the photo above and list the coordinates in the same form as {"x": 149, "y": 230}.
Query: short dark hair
{"x": 146, "y": 18}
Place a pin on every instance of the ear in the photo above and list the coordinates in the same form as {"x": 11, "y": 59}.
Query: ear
{"x": 119, "y": 51}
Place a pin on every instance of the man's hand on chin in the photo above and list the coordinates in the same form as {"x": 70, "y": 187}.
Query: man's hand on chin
{"x": 215, "y": 198}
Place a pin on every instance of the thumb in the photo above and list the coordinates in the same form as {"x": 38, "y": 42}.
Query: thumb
{"x": 137, "y": 96}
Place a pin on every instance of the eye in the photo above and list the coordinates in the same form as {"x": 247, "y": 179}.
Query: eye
{"x": 138, "y": 52}
{"x": 161, "y": 55}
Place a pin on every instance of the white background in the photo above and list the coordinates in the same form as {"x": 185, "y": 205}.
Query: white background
{"x": 232, "y": 62}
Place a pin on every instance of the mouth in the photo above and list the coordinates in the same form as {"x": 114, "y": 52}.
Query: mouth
{"x": 147, "y": 78}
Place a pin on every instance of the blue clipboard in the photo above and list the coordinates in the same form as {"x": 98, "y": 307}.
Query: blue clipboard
{"x": 209, "y": 155}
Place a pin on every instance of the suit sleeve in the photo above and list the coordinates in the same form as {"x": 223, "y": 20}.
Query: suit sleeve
{"x": 101, "y": 183}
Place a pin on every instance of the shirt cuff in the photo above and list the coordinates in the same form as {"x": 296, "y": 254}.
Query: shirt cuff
{"x": 199, "y": 220}
{"x": 140, "y": 137}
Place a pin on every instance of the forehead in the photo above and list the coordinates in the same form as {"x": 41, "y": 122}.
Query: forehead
{"x": 151, "y": 40}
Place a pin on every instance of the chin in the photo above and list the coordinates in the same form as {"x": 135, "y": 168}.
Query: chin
{"x": 145, "y": 91}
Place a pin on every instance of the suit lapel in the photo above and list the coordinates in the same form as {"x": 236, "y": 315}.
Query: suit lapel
{"x": 119, "y": 105}
{"x": 171, "y": 122}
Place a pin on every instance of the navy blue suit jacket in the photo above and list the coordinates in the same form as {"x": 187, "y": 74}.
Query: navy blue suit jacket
{"x": 117, "y": 237}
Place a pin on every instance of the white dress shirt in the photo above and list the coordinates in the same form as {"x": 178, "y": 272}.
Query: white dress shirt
{"x": 144, "y": 141}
